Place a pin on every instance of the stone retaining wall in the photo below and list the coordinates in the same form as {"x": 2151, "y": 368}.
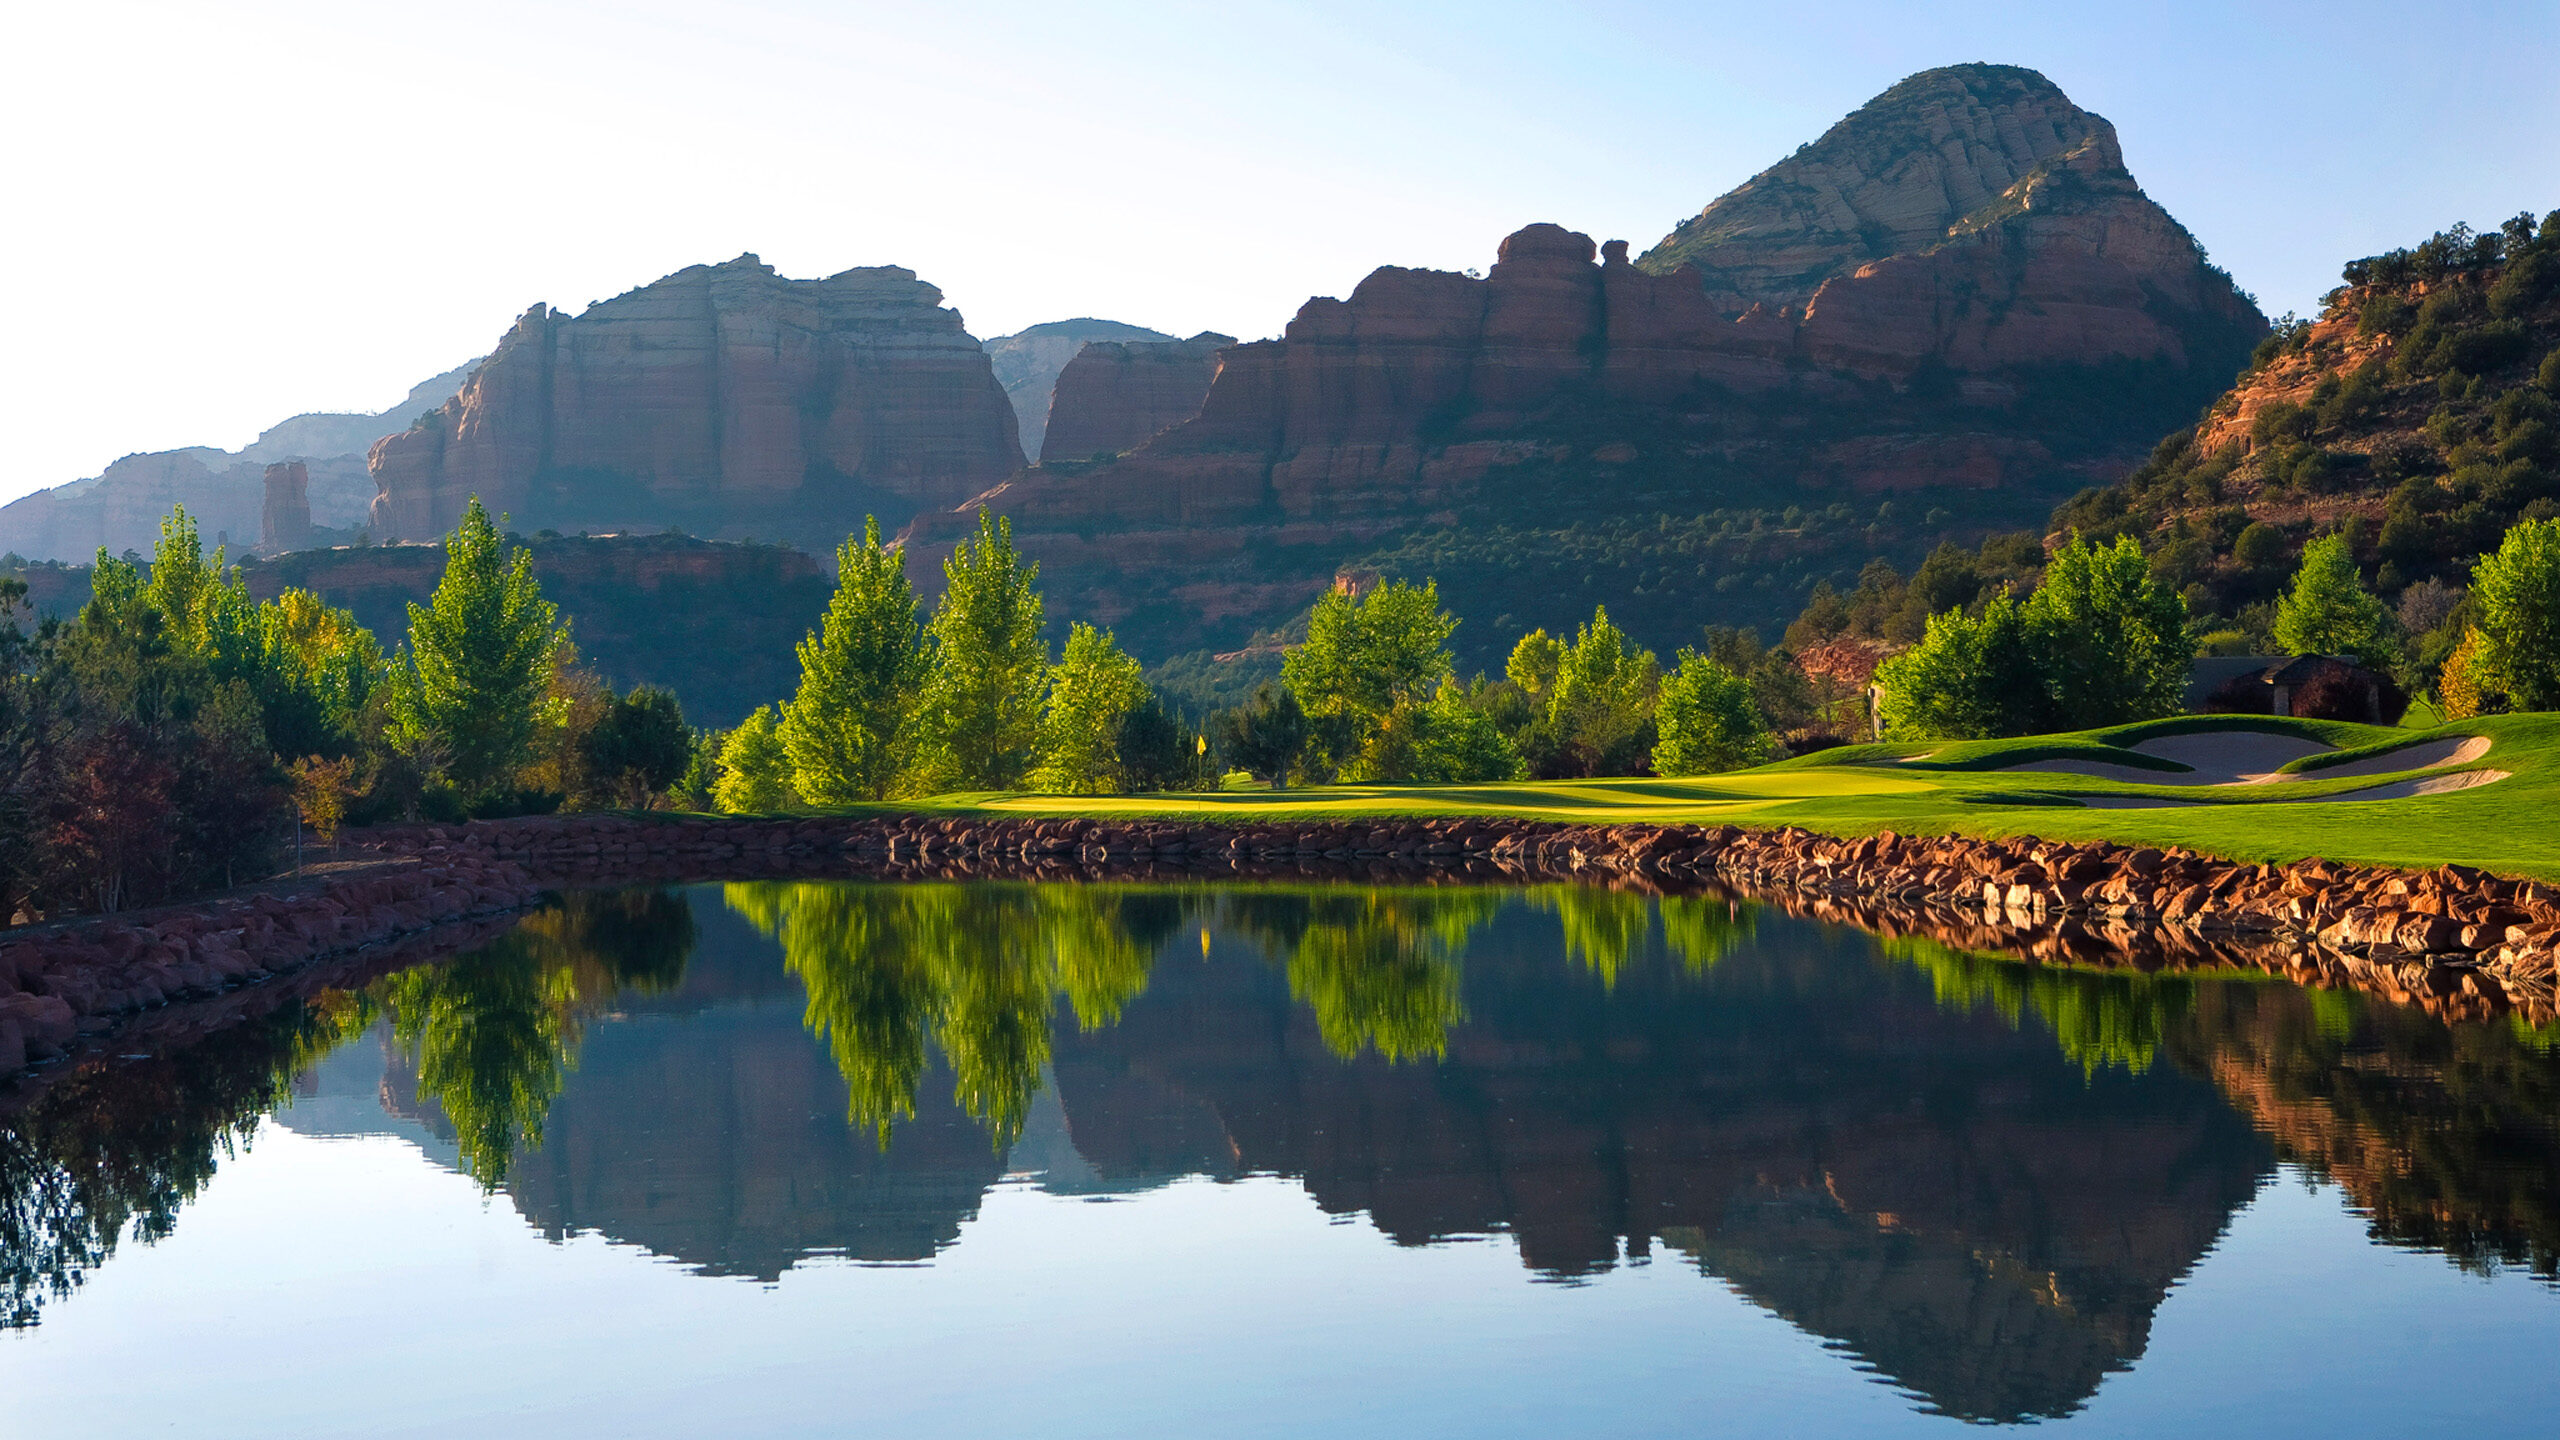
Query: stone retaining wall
{"x": 63, "y": 983}
{"x": 2460, "y": 940}
{"x": 2456, "y": 940}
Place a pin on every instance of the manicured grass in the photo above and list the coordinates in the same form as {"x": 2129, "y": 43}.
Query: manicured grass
{"x": 2512, "y": 827}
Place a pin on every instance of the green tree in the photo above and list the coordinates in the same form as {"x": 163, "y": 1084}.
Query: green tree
{"x": 1970, "y": 675}
{"x": 851, "y": 728}
{"x": 641, "y": 745}
{"x": 1534, "y": 663}
{"x": 991, "y": 668}
{"x": 2329, "y": 612}
{"x": 1266, "y": 736}
{"x": 1601, "y": 707}
{"x": 1372, "y": 663}
{"x": 2518, "y": 592}
{"x": 2100, "y": 642}
{"x": 755, "y": 770}
{"x": 2112, "y": 640}
{"x": 480, "y": 658}
{"x": 1160, "y": 751}
{"x": 1706, "y": 721}
{"x": 1092, "y": 691}
{"x": 1456, "y": 742}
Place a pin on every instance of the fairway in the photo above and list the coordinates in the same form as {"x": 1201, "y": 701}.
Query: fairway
{"x": 2087, "y": 785}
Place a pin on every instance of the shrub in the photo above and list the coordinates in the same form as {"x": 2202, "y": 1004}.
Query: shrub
{"x": 2359, "y": 696}
{"x": 2261, "y": 546}
{"x": 2485, "y": 348}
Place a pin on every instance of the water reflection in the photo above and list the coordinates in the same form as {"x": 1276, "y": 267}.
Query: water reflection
{"x": 1981, "y": 1178}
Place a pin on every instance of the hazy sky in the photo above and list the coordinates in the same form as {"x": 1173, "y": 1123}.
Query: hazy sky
{"x": 222, "y": 214}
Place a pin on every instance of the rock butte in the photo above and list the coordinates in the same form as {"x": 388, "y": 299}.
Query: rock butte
{"x": 723, "y": 399}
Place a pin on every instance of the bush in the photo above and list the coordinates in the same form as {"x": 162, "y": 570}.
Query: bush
{"x": 2485, "y": 348}
{"x": 2359, "y": 696}
{"x": 2261, "y": 546}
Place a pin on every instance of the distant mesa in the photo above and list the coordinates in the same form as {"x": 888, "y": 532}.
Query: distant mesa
{"x": 1029, "y": 362}
{"x": 121, "y": 508}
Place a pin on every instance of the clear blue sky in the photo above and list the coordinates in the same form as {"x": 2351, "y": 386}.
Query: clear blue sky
{"x": 222, "y": 215}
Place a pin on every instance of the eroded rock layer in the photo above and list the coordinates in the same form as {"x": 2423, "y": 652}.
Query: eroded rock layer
{"x": 722, "y": 399}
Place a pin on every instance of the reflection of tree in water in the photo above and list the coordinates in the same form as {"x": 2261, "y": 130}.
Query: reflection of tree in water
{"x": 1378, "y": 967}
{"x": 2102, "y": 1019}
{"x": 112, "y": 1156}
{"x": 494, "y": 1032}
{"x": 973, "y": 968}
{"x": 1603, "y": 929}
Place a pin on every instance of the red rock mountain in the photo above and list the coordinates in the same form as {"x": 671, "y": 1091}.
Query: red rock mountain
{"x": 722, "y": 399}
{"x": 1958, "y": 288}
{"x": 1117, "y": 395}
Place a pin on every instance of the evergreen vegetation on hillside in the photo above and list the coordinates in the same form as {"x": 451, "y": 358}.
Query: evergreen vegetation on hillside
{"x": 2418, "y": 418}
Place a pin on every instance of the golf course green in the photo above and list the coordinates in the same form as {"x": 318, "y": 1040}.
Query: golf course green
{"x": 2482, "y": 792}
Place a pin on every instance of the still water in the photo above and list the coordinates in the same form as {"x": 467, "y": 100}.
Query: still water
{"x": 921, "y": 1160}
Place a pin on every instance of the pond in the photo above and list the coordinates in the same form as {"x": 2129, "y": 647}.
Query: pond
{"x": 840, "y": 1158}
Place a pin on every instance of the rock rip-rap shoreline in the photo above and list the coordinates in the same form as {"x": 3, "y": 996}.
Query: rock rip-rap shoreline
{"x": 2458, "y": 941}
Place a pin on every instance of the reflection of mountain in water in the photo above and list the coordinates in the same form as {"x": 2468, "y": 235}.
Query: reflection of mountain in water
{"x": 1981, "y": 1179}
{"x": 1941, "y": 1193}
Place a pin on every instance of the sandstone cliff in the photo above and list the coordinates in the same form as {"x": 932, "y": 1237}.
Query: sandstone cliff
{"x": 1959, "y": 290}
{"x": 1115, "y": 396}
{"x": 1029, "y": 362}
{"x": 121, "y": 508}
{"x": 724, "y": 399}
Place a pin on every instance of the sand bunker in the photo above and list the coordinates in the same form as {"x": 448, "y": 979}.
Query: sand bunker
{"x": 2412, "y": 789}
{"x": 2401, "y": 790}
{"x": 2212, "y": 757}
{"x": 2232, "y": 757}
{"x": 2459, "y": 750}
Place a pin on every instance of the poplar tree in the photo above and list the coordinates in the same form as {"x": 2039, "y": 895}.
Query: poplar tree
{"x": 755, "y": 771}
{"x": 2519, "y": 593}
{"x": 1370, "y": 666}
{"x": 1094, "y": 688}
{"x": 1707, "y": 721}
{"x": 2329, "y": 612}
{"x": 479, "y": 659}
{"x": 1600, "y": 708}
{"x": 990, "y": 666}
{"x": 851, "y": 729}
